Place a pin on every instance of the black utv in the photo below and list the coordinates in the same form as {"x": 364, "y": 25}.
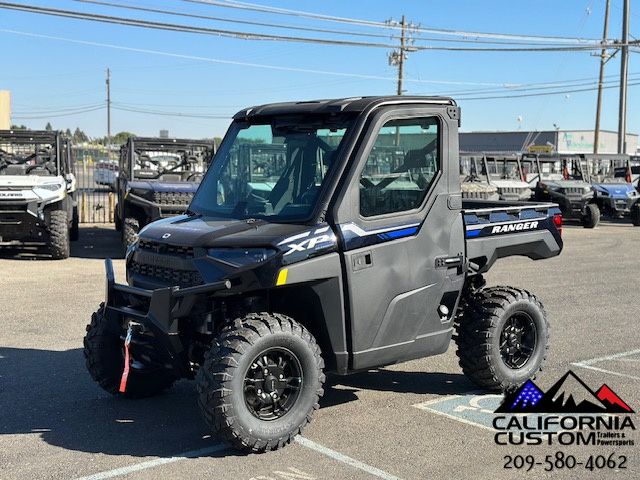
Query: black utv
{"x": 342, "y": 257}
{"x": 37, "y": 192}
{"x": 563, "y": 179}
{"x": 158, "y": 177}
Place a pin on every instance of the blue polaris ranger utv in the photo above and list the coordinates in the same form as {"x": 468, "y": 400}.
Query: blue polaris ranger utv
{"x": 615, "y": 194}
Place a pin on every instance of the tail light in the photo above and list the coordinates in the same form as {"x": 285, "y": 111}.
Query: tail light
{"x": 557, "y": 221}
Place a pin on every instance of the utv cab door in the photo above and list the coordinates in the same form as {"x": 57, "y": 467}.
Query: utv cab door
{"x": 402, "y": 236}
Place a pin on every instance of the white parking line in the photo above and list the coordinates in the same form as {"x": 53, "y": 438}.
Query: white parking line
{"x": 118, "y": 472}
{"x": 340, "y": 457}
{"x": 589, "y": 364}
{"x": 305, "y": 442}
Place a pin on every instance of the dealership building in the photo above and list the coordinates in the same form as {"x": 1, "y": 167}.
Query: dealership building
{"x": 550, "y": 141}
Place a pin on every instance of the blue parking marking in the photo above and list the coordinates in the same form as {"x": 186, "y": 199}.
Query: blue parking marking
{"x": 472, "y": 409}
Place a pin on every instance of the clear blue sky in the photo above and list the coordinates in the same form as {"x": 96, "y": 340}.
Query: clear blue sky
{"x": 47, "y": 75}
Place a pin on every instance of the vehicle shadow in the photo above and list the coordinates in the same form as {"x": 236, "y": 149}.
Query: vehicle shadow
{"x": 343, "y": 389}
{"x": 97, "y": 241}
{"x": 50, "y": 394}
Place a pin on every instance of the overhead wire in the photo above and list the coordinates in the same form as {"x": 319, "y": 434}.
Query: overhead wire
{"x": 264, "y": 36}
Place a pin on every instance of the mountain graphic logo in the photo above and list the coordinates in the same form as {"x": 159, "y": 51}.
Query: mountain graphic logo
{"x": 568, "y": 395}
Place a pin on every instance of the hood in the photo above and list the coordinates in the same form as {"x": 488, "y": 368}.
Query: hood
{"x": 510, "y": 184}
{"x": 198, "y": 231}
{"x": 621, "y": 190}
{"x": 15, "y": 182}
{"x": 158, "y": 186}
{"x": 567, "y": 183}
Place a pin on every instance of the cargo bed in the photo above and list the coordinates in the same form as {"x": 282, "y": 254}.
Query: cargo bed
{"x": 495, "y": 229}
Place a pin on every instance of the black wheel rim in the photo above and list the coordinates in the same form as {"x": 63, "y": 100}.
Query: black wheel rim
{"x": 518, "y": 340}
{"x": 272, "y": 383}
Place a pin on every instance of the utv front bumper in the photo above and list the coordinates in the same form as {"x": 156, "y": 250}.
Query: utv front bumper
{"x": 156, "y": 312}
{"x": 21, "y": 225}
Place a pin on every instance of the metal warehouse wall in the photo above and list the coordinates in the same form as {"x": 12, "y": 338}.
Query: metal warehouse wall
{"x": 563, "y": 141}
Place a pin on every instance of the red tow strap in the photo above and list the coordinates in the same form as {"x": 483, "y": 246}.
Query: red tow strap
{"x": 127, "y": 362}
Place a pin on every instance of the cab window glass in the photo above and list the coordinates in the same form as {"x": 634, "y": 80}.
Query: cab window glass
{"x": 401, "y": 166}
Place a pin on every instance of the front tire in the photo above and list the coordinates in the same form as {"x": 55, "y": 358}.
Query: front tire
{"x": 130, "y": 229}
{"x": 261, "y": 382}
{"x": 502, "y": 337}
{"x": 591, "y": 217}
{"x": 59, "y": 234}
{"x": 635, "y": 214}
{"x": 104, "y": 359}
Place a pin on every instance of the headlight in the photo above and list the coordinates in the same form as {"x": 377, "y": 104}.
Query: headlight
{"x": 632, "y": 194}
{"x": 603, "y": 193}
{"x": 239, "y": 257}
{"x": 50, "y": 186}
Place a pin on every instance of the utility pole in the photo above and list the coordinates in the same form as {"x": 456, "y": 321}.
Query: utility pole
{"x": 604, "y": 57}
{"x": 108, "y": 82}
{"x": 401, "y": 58}
{"x": 399, "y": 55}
{"x": 624, "y": 71}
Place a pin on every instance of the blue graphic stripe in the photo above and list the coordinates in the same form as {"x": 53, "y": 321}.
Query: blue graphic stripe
{"x": 473, "y": 233}
{"x": 394, "y": 234}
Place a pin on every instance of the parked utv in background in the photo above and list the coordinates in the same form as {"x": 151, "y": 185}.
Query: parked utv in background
{"x": 505, "y": 173}
{"x": 157, "y": 179}
{"x": 343, "y": 257}
{"x": 474, "y": 184}
{"x": 615, "y": 195}
{"x": 37, "y": 191}
{"x": 562, "y": 179}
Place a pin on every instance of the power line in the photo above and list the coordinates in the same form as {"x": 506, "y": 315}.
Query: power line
{"x": 125, "y": 108}
{"x": 371, "y": 23}
{"x": 263, "y": 36}
{"x": 52, "y": 115}
{"x": 298, "y": 28}
{"x": 240, "y": 63}
{"x": 229, "y": 20}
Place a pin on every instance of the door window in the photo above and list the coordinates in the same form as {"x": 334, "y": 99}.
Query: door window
{"x": 401, "y": 166}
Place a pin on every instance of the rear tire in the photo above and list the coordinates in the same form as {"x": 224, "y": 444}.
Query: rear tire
{"x": 59, "y": 234}
{"x": 104, "y": 358}
{"x": 486, "y": 335}
{"x": 236, "y": 394}
{"x": 591, "y": 218}
{"x": 130, "y": 229}
{"x": 635, "y": 214}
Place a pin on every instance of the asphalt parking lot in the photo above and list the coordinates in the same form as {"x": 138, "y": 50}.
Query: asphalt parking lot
{"x": 416, "y": 420}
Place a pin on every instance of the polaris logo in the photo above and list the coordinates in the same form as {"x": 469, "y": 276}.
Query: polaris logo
{"x": 514, "y": 227}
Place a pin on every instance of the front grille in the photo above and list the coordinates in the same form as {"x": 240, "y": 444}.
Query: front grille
{"x": 171, "y": 276}
{"x": 164, "y": 248}
{"x": 173, "y": 198}
{"x": 574, "y": 191}
{"x": 165, "y": 263}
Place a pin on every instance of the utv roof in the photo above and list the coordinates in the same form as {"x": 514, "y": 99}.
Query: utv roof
{"x": 170, "y": 142}
{"x": 353, "y": 104}
{"x": 29, "y": 136}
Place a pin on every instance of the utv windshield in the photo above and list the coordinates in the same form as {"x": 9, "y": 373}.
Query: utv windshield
{"x": 178, "y": 165}
{"x": 28, "y": 158}
{"x": 271, "y": 170}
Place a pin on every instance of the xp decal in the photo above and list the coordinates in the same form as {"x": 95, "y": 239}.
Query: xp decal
{"x": 307, "y": 242}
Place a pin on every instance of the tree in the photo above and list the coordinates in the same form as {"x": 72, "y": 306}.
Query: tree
{"x": 19, "y": 127}
{"x": 48, "y": 127}
{"x": 67, "y": 133}
{"x": 79, "y": 136}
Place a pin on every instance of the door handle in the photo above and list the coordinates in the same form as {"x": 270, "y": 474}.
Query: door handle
{"x": 450, "y": 262}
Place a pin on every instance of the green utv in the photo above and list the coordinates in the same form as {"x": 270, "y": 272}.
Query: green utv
{"x": 324, "y": 250}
